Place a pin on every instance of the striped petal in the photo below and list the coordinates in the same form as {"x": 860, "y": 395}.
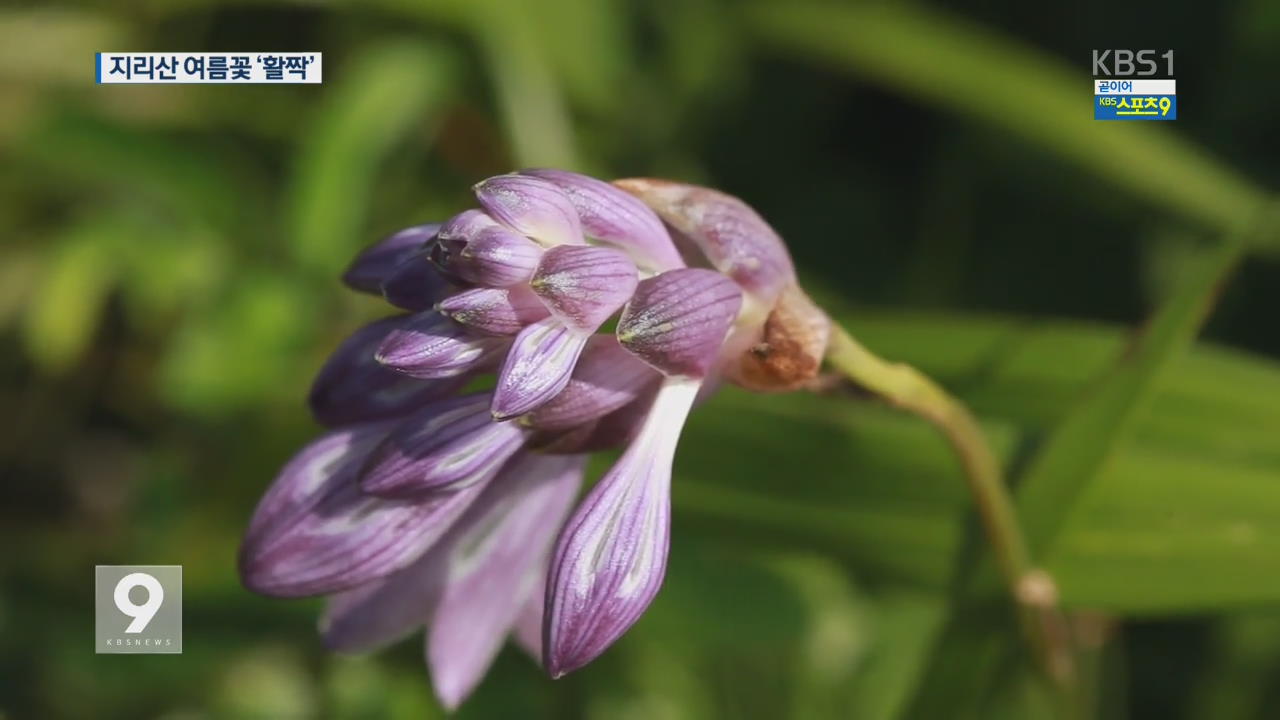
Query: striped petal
{"x": 382, "y": 611}
{"x": 583, "y": 286}
{"x": 678, "y": 320}
{"x": 605, "y": 378}
{"x": 352, "y": 387}
{"x": 537, "y": 367}
{"x": 497, "y": 257}
{"x": 430, "y": 345}
{"x": 314, "y": 532}
{"x": 495, "y": 564}
{"x": 611, "y": 557}
{"x": 451, "y": 444}
{"x": 614, "y": 430}
{"x": 496, "y": 311}
{"x": 732, "y": 236}
{"x": 532, "y": 207}
{"x": 616, "y": 218}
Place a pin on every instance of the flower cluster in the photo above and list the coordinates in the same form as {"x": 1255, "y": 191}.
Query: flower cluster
{"x": 434, "y": 503}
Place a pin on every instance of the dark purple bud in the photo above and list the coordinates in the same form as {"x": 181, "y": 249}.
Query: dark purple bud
{"x": 497, "y": 311}
{"x": 376, "y": 263}
{"x": 611, "y": 556}
{"x": 314, "y": 532}
{"x": 416, "y": 284}
{"x": 352, "y": 387}
{"x": 678, "y": 320}
{"x": 430, "y": 345}
{"x": 616, "y": 218}
{"x": 537, "y": 367}
{"x": 605, "y": 378}
{"x": 450, "y": 444}
{"x": 532, "y": 207}
{"x": 732, "y": 236}
{"x": 583, "y": 286}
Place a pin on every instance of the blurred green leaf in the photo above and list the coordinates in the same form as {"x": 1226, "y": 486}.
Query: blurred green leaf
{"x": 880, "y": 489}
{"x": 384, "y": 95}
{"x": 244, "y": 350}
{"x": 945, "y": 60}
{"x": 1098, "y": 425}
{"x": 62, "y": 315}
{"x": 905, "y": 626}
{"x": 143, "y": 168}
{"x": 48, "y": 44}
{"x": 528, "y": 92}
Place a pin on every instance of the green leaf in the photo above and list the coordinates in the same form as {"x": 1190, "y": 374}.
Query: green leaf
{"x": 380, "y": 99}
{"x": 882, "y": 490}
{"x": 246, "y": 348}
{"x": 62, "y": 313}
{"x": 962, "y": 67}
{"x": 1066, "y": 465}
{"x": 124, "y": 165}
{"x": 905, "y": 627}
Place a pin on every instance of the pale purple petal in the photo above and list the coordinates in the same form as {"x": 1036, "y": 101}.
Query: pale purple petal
{"x": 616, "y": 218}
{"x": 498, "y": 257}
{"x": 497, "y": 311}
{"x": 537, "y": 367}
{"x": 496, "y": 562}
{"x": 314, "y": 532}
{"x": 605, "y": 378}
{"x": 352, "y": 387}
{"x": 376, "y": 263}
{"x": 465, "y": 226}
{"x": 583, "y": 286}
{"x": 528, "y": 628}
{"x": 611, "y": 557}
{"x": 382, "y": 611}
{"x": 532, "y": 207}
{"x": 416, "y": 284}
{"x": 449, "y": 444}
{"x": 430, "y": 345}
{"x": 732, "y": 236}
{"x": 678, "y": 320}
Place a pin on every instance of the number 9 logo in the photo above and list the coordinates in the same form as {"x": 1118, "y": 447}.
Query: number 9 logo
{"x": 141, "y": 614}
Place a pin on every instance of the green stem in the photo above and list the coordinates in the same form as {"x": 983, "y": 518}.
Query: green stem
{"x": 1033, "y": 590}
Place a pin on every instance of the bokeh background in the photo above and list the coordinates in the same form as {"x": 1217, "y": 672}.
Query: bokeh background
{"x": 168, "y": 284}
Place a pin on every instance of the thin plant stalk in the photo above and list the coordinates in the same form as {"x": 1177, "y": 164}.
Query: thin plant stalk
{"x": 1032, "y": 589}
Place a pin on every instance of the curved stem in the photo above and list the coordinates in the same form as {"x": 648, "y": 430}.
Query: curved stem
{"x": 1033, "y": 590}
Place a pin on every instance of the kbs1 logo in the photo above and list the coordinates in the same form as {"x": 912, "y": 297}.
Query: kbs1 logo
{"x": 138, "y": 608}
{"x": 1134, "y": 85}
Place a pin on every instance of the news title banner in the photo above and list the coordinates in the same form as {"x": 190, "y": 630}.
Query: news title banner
{"x": 1134, "y": 85}
{"x": 219, "y": 68}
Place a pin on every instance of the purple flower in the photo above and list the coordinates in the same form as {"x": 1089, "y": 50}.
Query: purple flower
{"x": 425, "y": 507}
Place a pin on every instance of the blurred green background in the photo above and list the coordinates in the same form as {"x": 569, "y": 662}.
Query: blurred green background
{"x": 168, "y": 285}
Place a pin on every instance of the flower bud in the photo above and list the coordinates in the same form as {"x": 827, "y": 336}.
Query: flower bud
{"x": 430, "y": 345}
{"x": 678, "y": 320}
{"x": 616, "y": 218}
{"x": 496, "y": 311}
{"x": 732, "y": 236}
{"x": 532, "y": 207}
{"x": 582, "y": 286}
{"x": 497, "y": 257}
{"x": 376, "y": 263}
